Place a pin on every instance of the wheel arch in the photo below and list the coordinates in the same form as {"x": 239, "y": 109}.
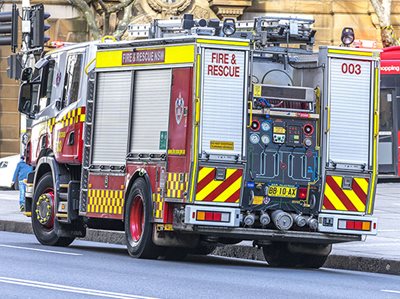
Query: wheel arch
{"x": 49, "y": 165}
{"x": 139, "y": 173}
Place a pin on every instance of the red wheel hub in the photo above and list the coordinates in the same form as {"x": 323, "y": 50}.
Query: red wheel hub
{"x": 45, "y": 209}
{"x": 136, "y": 218}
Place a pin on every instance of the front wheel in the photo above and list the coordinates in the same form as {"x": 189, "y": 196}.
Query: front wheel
{"x": 138, "y": 225}
{"x": 43, "y": 214}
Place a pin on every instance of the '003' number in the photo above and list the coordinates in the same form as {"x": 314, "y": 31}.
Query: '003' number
{"x": 351, "y": 68}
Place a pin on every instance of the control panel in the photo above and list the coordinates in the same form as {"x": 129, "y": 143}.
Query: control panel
{"x": 282, "y": 151}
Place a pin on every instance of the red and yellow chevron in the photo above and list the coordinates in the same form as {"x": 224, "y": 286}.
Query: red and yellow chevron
{"x": 158, "y": 205}
{"x": 336, "y": 198}
{"x": 72, "y": 117}
{"x": 227, "y": 190}
{"x": 177, "y": 184}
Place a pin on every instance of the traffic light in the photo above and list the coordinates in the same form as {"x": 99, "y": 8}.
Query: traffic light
{"x": 38, "y": 27}
{"x": 14, "y": 68}
{"x": 9, "y": 28}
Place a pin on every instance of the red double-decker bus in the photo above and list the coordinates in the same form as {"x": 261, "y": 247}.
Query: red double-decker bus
{"x": 389, "y": 134}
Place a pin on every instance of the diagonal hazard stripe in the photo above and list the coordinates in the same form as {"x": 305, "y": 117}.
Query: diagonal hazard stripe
{"x": 209, "y": 177}
{"x": 228, "y": 194}
{"x": 235, "y": 197}
{"x": 359, "y": 191}
{"x": 222, "y": 187}
{"x": 212, "y": 185}
{"x": 351, "y": 195}
{"x": 327, "y": 204}
{"x": 340, "y": 194}
{"x": 363, "y": 183}
{"x": 333, "y": 199}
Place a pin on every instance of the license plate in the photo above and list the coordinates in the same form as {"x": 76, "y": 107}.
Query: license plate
{"x": 282, "y": 191}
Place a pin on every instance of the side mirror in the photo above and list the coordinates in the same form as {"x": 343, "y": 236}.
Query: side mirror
{"x": 26, "y": 74}
{"x": 25, "y": 98}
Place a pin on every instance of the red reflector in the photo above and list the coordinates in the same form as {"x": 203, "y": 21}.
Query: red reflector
{"x": 374, "y": 225}
{"x": 209, "y": 216}
{"x": 349, "y": 224}
{"x": 358, "y": 225}
{"x": 302, "y": 193}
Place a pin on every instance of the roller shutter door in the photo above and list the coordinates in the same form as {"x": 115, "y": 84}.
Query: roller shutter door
{"x": 111, "y": 118}
{"x": 152, "y": 92}
{"x": 350, "y": 94}
{"x": 223, "y": 103}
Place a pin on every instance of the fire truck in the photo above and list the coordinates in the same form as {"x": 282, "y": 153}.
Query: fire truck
{"x": 203, "y": 134}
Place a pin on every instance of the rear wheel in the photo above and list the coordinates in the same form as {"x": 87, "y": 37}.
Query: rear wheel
{"x": 278, "y": 254}
{"x": 138, "y": 225}
{"x": 43, "y": 214}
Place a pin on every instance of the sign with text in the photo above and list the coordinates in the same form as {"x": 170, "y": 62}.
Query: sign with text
{"x": 223, "y": 102}
{"x": 143, "y": 56}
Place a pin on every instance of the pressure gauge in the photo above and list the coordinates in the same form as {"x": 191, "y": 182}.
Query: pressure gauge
{"x": 254, "y": 138}
{"x": 265, "y": 126}
{"x": 265, "y": 139}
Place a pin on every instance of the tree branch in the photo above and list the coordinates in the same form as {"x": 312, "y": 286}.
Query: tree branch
{"x": 89, "y": 16}
{"x": 123, "y": 4}
{"x": 123, "y": 24}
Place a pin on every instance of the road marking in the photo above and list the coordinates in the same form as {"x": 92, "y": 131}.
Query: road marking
{"x": 391, "y": 291}
{"x": 64, "y": 288}
{"x": 41, "y": 250}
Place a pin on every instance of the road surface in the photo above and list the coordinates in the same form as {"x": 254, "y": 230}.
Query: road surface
{"x": 97, "y": 270}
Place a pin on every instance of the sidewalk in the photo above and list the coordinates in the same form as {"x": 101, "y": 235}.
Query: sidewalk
{"x": 380, "y": 254}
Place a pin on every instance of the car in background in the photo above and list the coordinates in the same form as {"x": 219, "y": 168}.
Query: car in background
{"x": 7, "y": 168}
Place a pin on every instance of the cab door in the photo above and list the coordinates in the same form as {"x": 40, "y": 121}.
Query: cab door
{"x": 387, "y": 150}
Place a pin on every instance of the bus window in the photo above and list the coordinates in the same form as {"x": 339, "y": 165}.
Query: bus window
{"x": 386, "y": 111}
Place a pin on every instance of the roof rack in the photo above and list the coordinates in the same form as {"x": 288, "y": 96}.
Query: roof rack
{"x": 264, "y": 32}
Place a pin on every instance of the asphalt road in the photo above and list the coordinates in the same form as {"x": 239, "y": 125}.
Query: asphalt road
{"x": 88, "y": 269}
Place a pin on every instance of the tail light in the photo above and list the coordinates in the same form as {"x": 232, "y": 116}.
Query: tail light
{"x": 212, "y": 216}
{"x": 355, "y": 225}
{"x": 302, "y": 193}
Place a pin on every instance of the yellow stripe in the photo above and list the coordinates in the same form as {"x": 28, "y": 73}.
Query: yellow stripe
{"x": 204, "y": 172}
{"x": 212, "y": 186}
{"x": 374, "y": 158}
{"x": 334, "y": 199}
{"x": 173, "y": 55}
{"x": 196, "y": 129}
{"x": 349, "y": 52}
{"x": 351, "y": 195}
{"x": 228, "y": 192}
{"x": 221, "y": 42}
{"x": 363, "y": 184}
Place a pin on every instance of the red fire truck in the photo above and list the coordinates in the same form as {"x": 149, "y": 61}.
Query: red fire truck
{"x": 192, "y": 139}
{"x": 389, "y": 131}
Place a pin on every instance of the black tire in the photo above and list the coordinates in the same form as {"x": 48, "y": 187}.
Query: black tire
{"x": 15, "y": 186}
{"x": 278, "y": 255}
{"x": 46, "y": 233}
{"x": 138, "y": 210}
